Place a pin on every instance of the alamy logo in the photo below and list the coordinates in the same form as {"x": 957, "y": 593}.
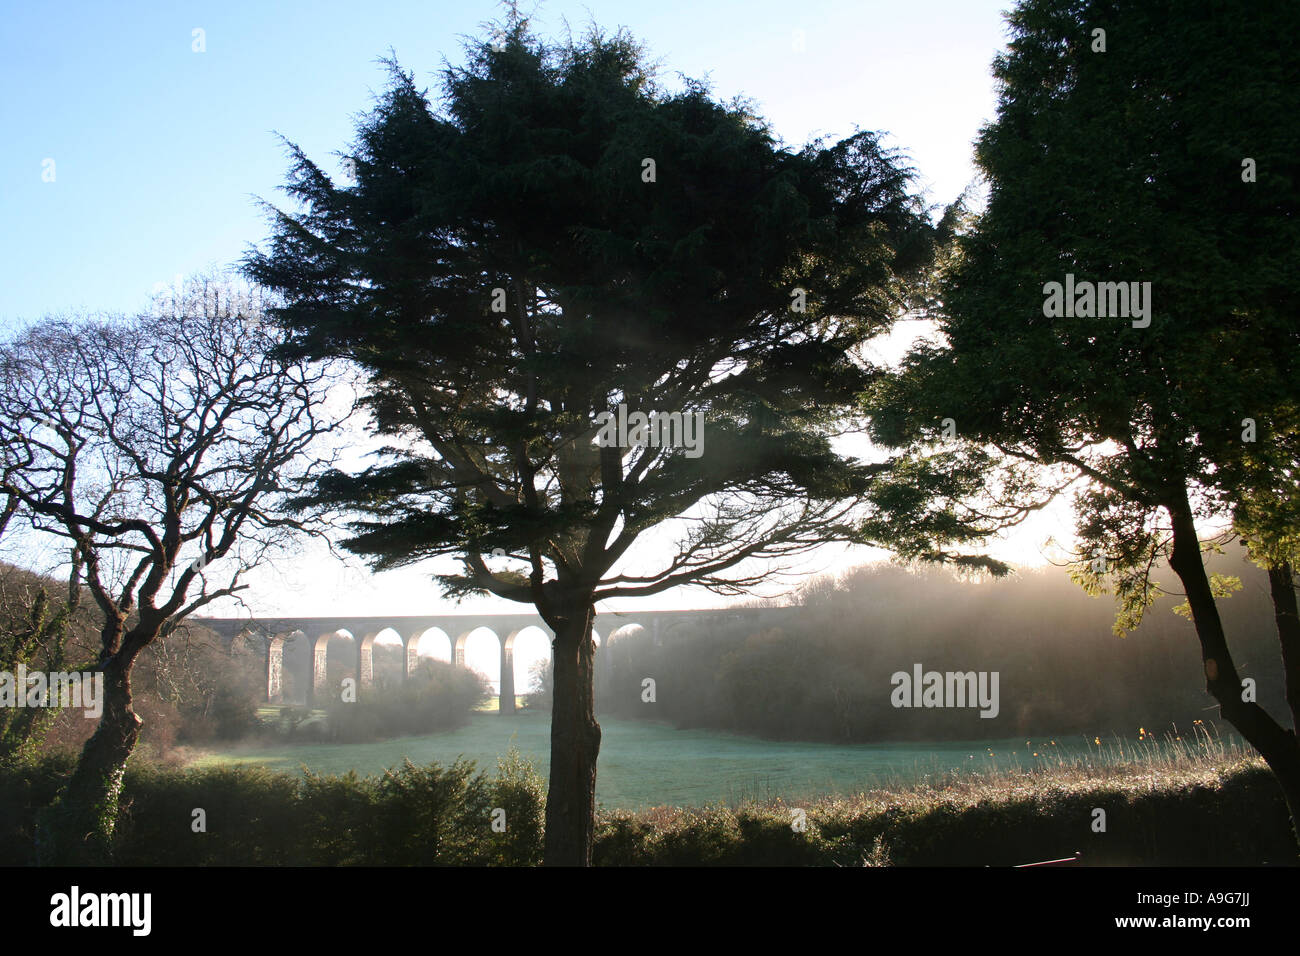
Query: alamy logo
{"x": 1086, "y": 300}
{"x": 56, "y": 689}
{"x": 657, "y": 430}
{"x": 951, "y": 689}
{"x": 75, "y": 908}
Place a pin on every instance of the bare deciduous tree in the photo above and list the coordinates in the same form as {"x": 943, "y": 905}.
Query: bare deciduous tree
{"x": 161, "y": 448}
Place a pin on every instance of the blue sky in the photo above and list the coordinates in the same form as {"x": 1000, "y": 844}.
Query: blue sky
{"x": 158, "y": 151}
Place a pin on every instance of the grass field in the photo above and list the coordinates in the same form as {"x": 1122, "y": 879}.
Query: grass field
{"x": 644, "y": 764}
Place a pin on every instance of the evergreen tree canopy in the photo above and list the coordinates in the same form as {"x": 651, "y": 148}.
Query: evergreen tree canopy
{"x": 1121, "y": 310}
{"x": 561, "y": 237}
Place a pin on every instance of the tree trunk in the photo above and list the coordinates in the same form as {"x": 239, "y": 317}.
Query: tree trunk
{"x": 1282, "y": 590}
{"x": 575, "y": 744}
{"x": 1276, "y": 744}
{"x": 78, "y": 828}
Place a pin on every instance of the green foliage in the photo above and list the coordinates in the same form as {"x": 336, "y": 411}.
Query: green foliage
{"x": 521, "y": 792}
{"x": 562, "y": 238}
{"x": 614, "y": 288}
{"x": 1126, "y": 166}
{"x": 1266, "y": 499}
{"x": 260, "y": 817}
{"x": 250, "y": 813}
{"x": 29, "y": 787}
{"x": 1221, "y": 585}
{"x": 998, "y": 825}
{"x": 431, "y": 815}
{"x": 38, "y": 642}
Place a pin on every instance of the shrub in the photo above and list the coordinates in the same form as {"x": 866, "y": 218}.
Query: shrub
{"x": 436, "y": 697}
{"x": 26, "y": 787}
{"x": 442, "y": 816}
{"x": 249, "y": 815}
{"x": 431, "y": 816}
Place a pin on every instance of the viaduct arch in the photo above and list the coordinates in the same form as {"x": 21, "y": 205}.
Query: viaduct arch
{"x": 317, "y": 632}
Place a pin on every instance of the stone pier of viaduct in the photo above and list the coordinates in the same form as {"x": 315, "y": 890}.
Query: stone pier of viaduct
{"x": 317, "y": 632}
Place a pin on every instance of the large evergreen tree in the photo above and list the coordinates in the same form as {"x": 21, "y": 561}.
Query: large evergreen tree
{"x": 560, "y": 238}
{"x": 1136, "y": 142}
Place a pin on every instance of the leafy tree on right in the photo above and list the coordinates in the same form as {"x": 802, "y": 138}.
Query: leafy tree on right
{"x": 1135, "y": 143}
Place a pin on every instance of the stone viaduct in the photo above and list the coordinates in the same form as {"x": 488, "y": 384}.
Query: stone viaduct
{"x": 317, "y": 632}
